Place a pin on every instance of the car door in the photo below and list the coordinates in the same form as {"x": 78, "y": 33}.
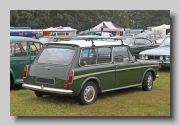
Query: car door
{"x": 128, "y": 72}
{"x": 18, "y": 58}
{"x": 98, "y": 60}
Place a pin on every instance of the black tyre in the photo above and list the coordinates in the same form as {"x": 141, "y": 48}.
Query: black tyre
{"x": 11, "y": 80}
{"x": 38, "y": 94}
{"x": 147, "y": 84}
{"x": 88, "y": 93}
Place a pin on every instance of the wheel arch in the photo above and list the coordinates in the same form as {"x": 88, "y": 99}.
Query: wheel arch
{"x": 93, "y": 79}
{"x": 150, "y": 70}
{"x": 12, "y": 76}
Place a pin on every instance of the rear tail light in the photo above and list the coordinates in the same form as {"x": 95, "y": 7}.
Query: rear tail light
{"x": 155, "y": 42}
{"x": 24, "y": 74}
{"x": 70, "y": 77}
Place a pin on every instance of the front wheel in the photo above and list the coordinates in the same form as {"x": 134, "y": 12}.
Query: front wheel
{"x": 88, "y": 93}
{"x": 147, "y": 84}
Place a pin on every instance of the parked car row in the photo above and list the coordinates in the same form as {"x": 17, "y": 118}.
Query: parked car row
{"x": 85, "y": 66}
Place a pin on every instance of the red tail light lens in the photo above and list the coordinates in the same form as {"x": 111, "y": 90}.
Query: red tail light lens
{"x": 65, "y": 86}
{"x": 70, "y": 77}
{"x": 24, "y": 74}
{"x": 155, "y": 42}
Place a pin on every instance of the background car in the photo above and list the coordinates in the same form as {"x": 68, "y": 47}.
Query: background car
{"x": 153, "y": 36}
{"x": 23, "y": 50}
{"x": 136, "y": 44}
{"x": 46, "y": 39}
{"x": 160, "y": 54}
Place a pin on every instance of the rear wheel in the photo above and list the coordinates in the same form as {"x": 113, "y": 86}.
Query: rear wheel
{"x": 11, "y": 80}
{"x": 88, "y": 93}
{"x": 38, "y": 94}
{"x": 147, "y": 82}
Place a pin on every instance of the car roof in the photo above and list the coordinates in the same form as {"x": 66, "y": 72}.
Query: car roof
{"x": 22, "y": 39}
{"x": 84, "y": 43}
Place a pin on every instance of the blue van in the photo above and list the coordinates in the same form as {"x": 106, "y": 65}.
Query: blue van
{"x": 16, "y": 31}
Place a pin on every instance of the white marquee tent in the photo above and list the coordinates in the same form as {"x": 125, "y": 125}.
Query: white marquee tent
{"x": 164, "y": 26}
{"x": 161, "y": 29}
{"x": 107, "y": 26}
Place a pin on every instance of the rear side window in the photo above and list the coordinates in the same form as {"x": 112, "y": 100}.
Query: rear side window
{"x": 90, "y": 56}
{"x": 54, "y": 55}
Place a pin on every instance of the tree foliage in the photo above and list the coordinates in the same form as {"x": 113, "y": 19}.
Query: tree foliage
{"x": 86, "y": 19}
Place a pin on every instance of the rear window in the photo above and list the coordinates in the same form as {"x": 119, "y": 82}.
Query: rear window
{"x": 57, "y": 55}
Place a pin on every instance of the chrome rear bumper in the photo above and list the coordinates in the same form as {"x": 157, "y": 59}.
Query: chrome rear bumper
{"x": 47, "y": 89}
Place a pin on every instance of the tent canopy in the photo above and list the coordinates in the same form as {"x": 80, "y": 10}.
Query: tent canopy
{"x": 164, "y": 26}
{"x": 107, "y": 26}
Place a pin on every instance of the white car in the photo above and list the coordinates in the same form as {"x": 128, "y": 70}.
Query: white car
{"x": 160, "y": 54}
{"x": 159, "y": 41}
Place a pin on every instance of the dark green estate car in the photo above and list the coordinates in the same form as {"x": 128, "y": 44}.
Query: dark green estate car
{"x": 22, "y": 52}
{"x": 86, "y": 68}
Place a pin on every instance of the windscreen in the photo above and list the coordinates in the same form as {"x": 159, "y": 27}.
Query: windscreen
{"x": 165, "y": 42}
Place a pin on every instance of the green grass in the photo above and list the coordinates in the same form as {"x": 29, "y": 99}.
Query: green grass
{"x": 127, "y": 102}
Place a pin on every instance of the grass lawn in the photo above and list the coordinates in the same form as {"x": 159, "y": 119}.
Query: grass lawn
{"x": 127, "y": 102}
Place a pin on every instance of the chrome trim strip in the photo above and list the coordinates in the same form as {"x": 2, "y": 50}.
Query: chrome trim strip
{"x": 129, "y": 68}
{"x": 122, "y": 87}
{"x": 47, "y": 89}
{"x": 108, "y": 71}
{"x": 90, "y": 74}
{"x": 151, "y": 65}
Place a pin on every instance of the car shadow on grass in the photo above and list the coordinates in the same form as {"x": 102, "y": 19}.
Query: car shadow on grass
{"x": 16, "y": 87}
{"x": 164, "y": 69}
{"x": 68, "y": 100}
{"x": 120, "y": 92}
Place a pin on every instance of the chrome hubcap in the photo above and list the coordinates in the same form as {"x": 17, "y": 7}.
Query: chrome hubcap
{"x": 150, "y": 81}
{"x": 89, "y": 93}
